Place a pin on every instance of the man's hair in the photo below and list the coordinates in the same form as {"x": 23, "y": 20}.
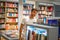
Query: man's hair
{"x": 33, "y": 9}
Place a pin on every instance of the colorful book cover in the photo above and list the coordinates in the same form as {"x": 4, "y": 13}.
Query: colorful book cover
{"x": 16, "y": 19}
{"x": 39, "y": 37}
{"x": 36, "y": 36}
{"x": 30, "y": 35}
{"x": 10, "y": 14}
{"x": 33, "y": 35}
{"x": 28, "y": 38}
{"x": 42, "y": 37}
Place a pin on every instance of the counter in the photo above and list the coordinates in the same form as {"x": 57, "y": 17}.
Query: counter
{"x": 48, "y": 32}
{"x": 10, "y": 35}
{"x": 1, "y": 28}
{"x": 6, "y": 37}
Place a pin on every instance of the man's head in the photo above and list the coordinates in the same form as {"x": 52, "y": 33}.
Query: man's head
{"x": 33, "y": 12}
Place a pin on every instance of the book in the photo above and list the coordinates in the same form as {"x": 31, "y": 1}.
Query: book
{"x": 1, "y": 4}
{"x": 10, "y": 14}
{"x": 30, "y": 35}
{"x": 39, "y": 37}
{"x": 36, "y": 36}
{"x": 33, "y": 35}
{"x": 28, "y": 38}
{"x": 42, "y": 37}
{"x": 16, "y": 19}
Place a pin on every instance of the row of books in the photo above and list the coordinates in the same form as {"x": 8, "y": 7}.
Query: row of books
{"x": 26, "y": 12}
{"x": 42, "y": 16}
{"x": 11, "y": 5}
{"x": 11, "y": 19}
{"x": 2, "y": 25}
{"x": 34, "y": 36}
{"x": 47, "y": 8}
{"x": 2, "y": 20}
{"x": 27, "y": 6}
{"x": 1, "y": 10}
{"x": 11, "y": 27}
{"x": 45, "y": 12}
{"x": 2, "y": 16}
{"x": 1, "y": 4}
{"x": 11, "y": 10}
{"x": 12, "y": 14}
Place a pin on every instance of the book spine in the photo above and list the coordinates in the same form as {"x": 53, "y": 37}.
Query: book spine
{"x": 28, "y": 35}
{"x": 42, "y": 37}
{"x": 36, "y": 36}
{"x": 39, "y": 37}
{"x": 33, "y": 35}
{"x": 45, "y": 37}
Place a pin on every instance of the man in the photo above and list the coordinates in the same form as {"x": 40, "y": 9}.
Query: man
{"x": 29, "y": 19}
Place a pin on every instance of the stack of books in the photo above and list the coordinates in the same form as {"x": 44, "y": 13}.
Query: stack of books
{"x": 11, "y": 10}
{"x": 12, "y": 19}
{"x": 12, "y": 14}
{"x": 11, "y": 5}
{"x": 1, "y": 4}
{"x": 34, "y": 36}
{"x": 2, "y": 20}
{"x": 11, "y": 27}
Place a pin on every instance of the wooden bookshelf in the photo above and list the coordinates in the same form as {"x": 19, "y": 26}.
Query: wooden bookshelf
{"x": 27, "y": 9}
{"x": 12, "y": 17}
{"x": 11, "y": 12}
{"x": 11, "y": 22}
{"x": 45, "y": 10}
{"x": 12, "y": 7}
{"x": 2, "y": 23}
{"x": 2, "y": 14}
{"x": 2, "y": 6}
{"x": 8, "y": 7}
{"x": 2, "y": 18}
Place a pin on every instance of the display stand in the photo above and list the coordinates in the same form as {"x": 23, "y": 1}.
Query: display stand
{"x": 39, "y": 32}
{"x": 8, "y": 14}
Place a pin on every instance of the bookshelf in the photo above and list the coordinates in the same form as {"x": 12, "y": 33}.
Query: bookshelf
{"x": 27, "y": 9}
{"x": 9, "y": 14}
{"x": 2, "y": 14}
{"x": 45, "y": 11}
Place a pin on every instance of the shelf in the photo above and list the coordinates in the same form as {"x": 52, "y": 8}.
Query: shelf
{"x": 12, "y": 2}
{"x": 26, "y": 14}
{"x": 2, "y": 23}
{"x": 27, "y": 9}
{"x": 11, "y": 22}
{"x": 2, "y": 18}
{"x": 12, "y": 12}
{"x": 2, "y": 6}
{"x": 48, "y": 15}
{"x": 12, "y": 17}
{"x": 41, "y": 14}
{"x": 11, "y": 7}
{"x": 8, "y": 8}
{"x": 2, "y": 12}
{"x": 41, "y": 10}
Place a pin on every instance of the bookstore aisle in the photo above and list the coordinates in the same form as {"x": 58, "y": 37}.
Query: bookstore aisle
{"x": 47, "y": 26}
